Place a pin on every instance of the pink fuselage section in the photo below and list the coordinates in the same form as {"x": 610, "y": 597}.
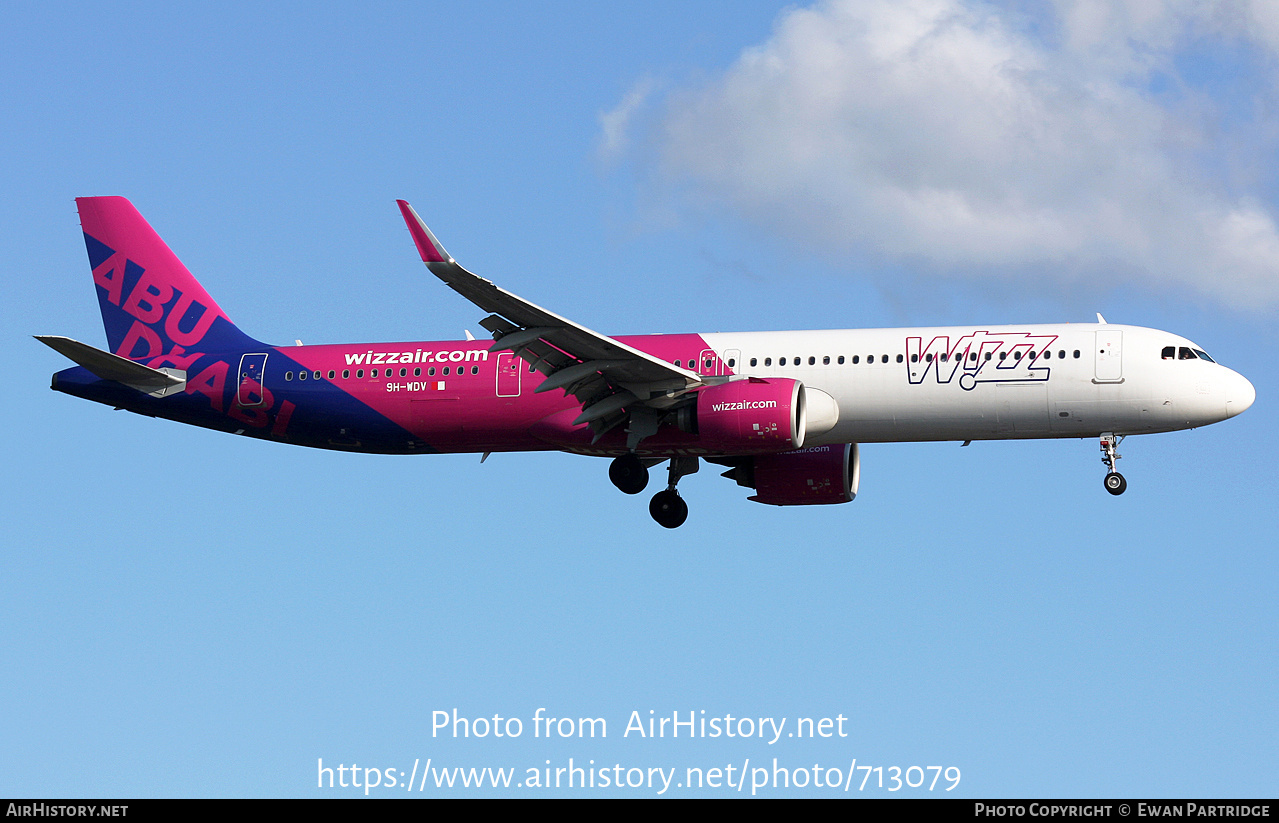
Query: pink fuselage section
{"x": 457, "y": 396}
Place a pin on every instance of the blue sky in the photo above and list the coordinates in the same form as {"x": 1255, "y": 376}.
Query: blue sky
{"x": 190, "y": 614}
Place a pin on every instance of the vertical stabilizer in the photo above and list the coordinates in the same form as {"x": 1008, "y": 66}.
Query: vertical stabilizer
{"x": 151, "y": 305}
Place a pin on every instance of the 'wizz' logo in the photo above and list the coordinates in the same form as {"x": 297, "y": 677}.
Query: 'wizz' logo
{"x": 979, "y": 357}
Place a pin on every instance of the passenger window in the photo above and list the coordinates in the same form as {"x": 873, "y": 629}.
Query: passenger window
{"x": 841, "y": 360}
{"x": 404, "y": 372}
{"x": 856, "y": 359}
{"x": 781, "y": 361}
{"x": 475, "y": 369}
{"x": 900, "y": 359}
{"x": 885, "y": 358}
{"x": 430, "y": 372}
{"x": 768, "y": 361}
{"x": 1076, "y": 354}
{"x": 359, "y": 372}
{"x": 973, "y": 357}
{"x": 446, "y": 371}
{"x": 374, "y": 373}
{"x": 330, "y": 374}
{"x": 754, "y": 361}
{"x": 678, "y": 365}
{"x": 812, "y": 361}
{"x": 826, "y": 360}
{"x": 732, "y": 362}
{"x": 346, "y": 373}
{"x": 288, "y": 376}
{"x": 301, "y": 375}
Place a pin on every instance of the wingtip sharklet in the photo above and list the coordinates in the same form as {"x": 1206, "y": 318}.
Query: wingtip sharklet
{"x": 427, "y": 245}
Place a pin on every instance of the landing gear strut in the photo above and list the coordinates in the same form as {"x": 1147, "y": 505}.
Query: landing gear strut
{"x": 667, "y": 507}
{"x": 1114, "y": 481}
{"x": 628, "y": 473}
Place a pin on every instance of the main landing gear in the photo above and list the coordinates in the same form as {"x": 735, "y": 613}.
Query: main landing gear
{"x": 667, "y": 507}
{"x": 1114, "y": 481}
{"x": 630, "y": 475}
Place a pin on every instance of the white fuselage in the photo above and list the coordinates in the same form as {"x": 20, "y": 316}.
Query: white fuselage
{"x": 995, "y": 382}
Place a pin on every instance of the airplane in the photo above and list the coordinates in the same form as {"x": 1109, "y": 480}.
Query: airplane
{"x": 782, "y": 411}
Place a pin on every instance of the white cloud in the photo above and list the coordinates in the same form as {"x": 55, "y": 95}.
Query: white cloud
{"x": 615, "y": 124}
{"x": 942, "y": 132}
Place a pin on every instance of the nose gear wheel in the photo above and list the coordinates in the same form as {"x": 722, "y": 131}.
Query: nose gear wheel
{"x": 1114, "y": 481}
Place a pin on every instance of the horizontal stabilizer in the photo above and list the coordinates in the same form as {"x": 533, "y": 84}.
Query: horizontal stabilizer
{"x": 110, "y": 366}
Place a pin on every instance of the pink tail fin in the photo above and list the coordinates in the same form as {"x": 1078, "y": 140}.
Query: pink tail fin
{"x": 151, "y": 304}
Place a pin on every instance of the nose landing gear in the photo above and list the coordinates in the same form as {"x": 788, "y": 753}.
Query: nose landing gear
{"x": 1114, "y": 481}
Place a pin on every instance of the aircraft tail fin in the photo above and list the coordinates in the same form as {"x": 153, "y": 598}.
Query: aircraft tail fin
{"x": 151, "y": 304}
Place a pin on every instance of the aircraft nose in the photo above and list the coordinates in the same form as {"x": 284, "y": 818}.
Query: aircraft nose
{"x": 1239, "y": 394}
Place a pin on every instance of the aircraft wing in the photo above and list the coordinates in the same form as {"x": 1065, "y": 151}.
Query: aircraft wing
{"x": 605, "y": 375}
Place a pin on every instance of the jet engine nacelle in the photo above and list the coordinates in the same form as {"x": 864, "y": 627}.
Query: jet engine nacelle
{"x": 753, "y": 415}
{"x": 814, "y": 476}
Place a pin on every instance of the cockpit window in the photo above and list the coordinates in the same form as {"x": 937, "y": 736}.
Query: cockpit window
{"x": 1184, "y": 353}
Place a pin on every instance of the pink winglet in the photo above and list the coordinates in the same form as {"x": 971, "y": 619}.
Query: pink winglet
{"x": 427, "y": 245}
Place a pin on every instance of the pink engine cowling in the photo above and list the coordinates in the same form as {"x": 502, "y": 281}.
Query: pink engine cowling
{"x": 807, "y": 477}
{"x": 752, "y": 416}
